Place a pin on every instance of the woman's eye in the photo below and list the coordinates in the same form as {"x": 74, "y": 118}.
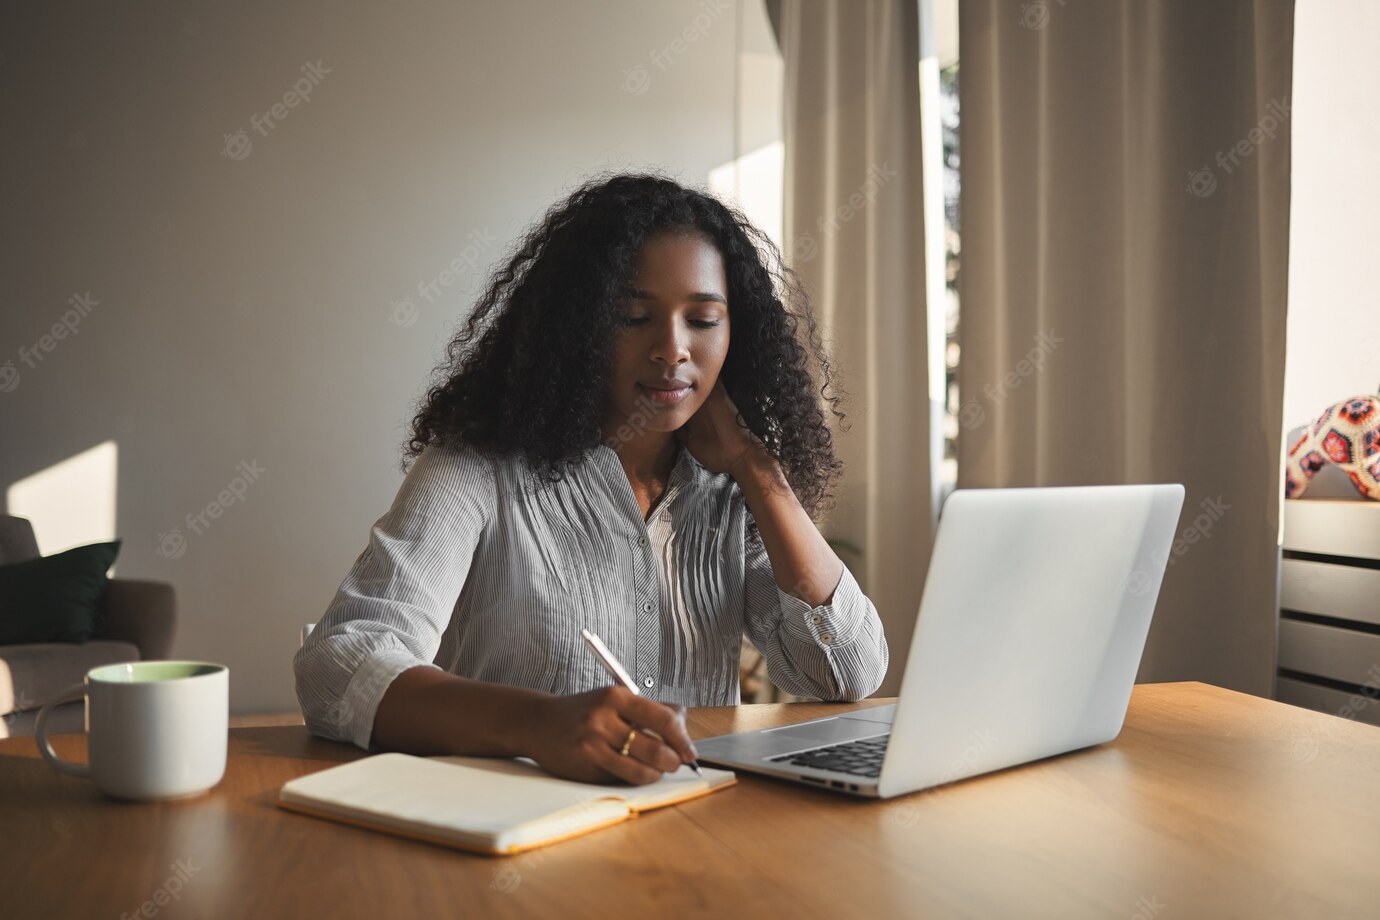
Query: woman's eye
{"x": 639, "y": 320}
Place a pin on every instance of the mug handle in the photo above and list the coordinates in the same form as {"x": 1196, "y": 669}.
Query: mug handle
{"x": 75, "y": 692}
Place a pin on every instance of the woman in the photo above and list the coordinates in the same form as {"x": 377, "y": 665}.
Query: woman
{"x": 626, "y": 437}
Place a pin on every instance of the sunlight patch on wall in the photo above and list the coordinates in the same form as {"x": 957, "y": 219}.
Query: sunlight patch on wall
{"x": 753, "y": 183}
{"x": 70, "y": 503}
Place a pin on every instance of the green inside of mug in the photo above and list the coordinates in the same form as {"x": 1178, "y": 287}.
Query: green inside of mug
{"x": 148, "y": 672}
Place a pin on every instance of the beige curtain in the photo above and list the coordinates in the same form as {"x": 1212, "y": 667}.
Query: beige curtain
{"x": 853, "y": 230}
{"x": 1125, "y": 212}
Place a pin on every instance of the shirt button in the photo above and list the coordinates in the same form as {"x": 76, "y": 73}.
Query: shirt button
{"x": 641, "y": 541}
{"x": 826, "y": 638}
{"x": 647, "y": 682}
{"x": 647, "y": 606}
{"x": 816, "y": 619}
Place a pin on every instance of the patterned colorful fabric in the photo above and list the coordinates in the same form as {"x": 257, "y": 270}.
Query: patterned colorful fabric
{"x": 1347, "y": 435}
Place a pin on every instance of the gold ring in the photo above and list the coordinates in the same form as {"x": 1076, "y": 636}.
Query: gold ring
{"x": 627, "y": 743}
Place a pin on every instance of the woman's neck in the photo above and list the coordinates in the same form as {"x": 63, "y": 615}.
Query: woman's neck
{"x": 647, "y": 458}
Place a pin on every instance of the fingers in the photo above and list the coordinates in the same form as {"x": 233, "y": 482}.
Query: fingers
{"x": 624, "y": 768}
{"x": 667, "y": 722}
{"x": 647, "y": 758}
{"x": 646, "y": 747}
{"x": 660, "y": 745}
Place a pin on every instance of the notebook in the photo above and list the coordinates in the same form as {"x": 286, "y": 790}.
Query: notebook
{"x": 487, "y": 805}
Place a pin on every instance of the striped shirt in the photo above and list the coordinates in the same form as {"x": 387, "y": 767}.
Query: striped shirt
{"x": 479, "y": 570}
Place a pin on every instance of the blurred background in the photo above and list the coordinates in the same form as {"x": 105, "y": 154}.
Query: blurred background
{"x": 256, "y": 226}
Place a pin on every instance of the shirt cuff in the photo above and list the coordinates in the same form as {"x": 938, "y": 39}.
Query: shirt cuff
{"x": 832, "y": 625}
{"x": 360, "y": 702}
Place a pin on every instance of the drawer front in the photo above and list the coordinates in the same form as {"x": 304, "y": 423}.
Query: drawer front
{"x": 1325, "y": 699}
{"x": 1326, "y": 651}
{"x": 1341, "y": 591}
{"x": 1337, "y": 528}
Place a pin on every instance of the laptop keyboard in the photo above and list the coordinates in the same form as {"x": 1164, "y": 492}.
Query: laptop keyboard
{"x": 860, "y": 758}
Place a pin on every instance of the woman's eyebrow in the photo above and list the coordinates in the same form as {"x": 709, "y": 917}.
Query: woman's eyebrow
{"x": 697, "y": 297}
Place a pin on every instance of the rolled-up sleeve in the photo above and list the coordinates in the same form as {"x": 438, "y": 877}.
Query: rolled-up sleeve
{"x": 836, "y": 651}
{"x": 397, "y": 599}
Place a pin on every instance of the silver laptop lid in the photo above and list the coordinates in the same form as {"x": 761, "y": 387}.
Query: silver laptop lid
{"x": 1031, "y": 628}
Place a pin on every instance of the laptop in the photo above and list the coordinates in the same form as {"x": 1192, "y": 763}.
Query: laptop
{"x": 1029, "y": 636}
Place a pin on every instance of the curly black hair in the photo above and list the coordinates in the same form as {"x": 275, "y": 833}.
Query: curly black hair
{"x": 527, "y": 373}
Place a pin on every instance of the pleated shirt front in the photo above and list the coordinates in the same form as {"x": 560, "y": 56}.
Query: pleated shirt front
{"x": 480, "y": 570}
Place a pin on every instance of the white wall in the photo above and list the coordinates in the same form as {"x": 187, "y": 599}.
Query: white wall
{"x": 753, "y": 181}
{"x": 1334, "y": 272}
{"x": 245, "y": 307}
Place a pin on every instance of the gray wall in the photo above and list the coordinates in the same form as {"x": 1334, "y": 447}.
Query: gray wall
{"x": 245, "y": 307}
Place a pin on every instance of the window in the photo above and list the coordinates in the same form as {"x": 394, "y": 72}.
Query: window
{"x": 948, "y": 115}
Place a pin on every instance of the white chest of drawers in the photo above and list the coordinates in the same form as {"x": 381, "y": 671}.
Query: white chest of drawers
{"x": 1329, "y": 619}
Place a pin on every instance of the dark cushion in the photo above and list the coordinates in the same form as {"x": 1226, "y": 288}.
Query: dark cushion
{"x": 54, "y": 598}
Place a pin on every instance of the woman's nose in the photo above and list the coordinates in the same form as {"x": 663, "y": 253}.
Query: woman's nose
{"x": 670, "y": 346}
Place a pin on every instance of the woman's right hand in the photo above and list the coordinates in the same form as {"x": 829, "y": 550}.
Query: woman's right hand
{"x": 580, "y": 736}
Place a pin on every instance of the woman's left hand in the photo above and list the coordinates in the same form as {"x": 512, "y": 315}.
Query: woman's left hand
{"x": 713, "y": 435}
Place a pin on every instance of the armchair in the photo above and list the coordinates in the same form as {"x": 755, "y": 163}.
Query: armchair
{"x": 136, "y": 620}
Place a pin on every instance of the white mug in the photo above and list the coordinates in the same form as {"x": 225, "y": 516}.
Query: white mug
{"x": 156, "y": 729}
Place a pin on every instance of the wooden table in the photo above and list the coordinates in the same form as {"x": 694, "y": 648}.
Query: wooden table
{"x": 1210, "y": 804}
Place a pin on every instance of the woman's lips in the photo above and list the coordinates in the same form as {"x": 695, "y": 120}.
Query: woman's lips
{"x": 665, "y": 397}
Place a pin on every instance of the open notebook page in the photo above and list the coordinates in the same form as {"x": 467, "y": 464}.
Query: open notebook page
{"x": 672, "y": 787}
{"x": 496, "y": 805}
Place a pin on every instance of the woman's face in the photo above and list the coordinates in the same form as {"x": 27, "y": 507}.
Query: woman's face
{"x": 674, "y": 335}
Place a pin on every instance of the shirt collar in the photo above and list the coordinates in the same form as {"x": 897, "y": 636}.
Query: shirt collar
{"x": 683, "y": 469}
